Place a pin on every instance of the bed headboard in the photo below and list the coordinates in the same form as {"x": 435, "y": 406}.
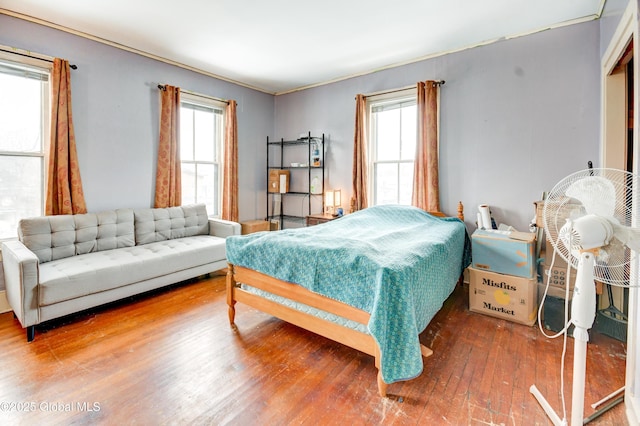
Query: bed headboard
{"x": 460, "y": 212}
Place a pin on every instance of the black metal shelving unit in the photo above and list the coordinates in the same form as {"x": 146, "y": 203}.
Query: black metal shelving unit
{"x": 296, "y": 173}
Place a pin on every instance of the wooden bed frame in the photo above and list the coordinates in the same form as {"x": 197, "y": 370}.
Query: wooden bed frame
{"x": 349, "y": 337}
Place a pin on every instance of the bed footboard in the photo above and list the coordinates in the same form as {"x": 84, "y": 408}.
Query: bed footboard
{"x": 355, "y": 339}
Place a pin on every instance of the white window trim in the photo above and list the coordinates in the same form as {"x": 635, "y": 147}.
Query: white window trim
{"x": 393, "y": 96}
{"x": 209, "y": 102}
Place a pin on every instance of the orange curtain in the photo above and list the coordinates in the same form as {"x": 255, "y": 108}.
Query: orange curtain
{"x": 168, "y": 178}
{"x": 230, "y": 165}
{"x": 426, "y": 194}
{"x": 359, "y": 176}
{"x": 64, "y": 186}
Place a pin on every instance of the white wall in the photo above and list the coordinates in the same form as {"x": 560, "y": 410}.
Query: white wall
{"x": 115, "y": 107}
{"x": 516, "y": 116}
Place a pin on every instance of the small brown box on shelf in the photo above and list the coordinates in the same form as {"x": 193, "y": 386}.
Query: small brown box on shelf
{"x": 252, "y": 226}
{"x": 276, "y": 180}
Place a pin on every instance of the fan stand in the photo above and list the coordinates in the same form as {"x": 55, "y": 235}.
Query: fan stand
{"x": 583, "y": 312}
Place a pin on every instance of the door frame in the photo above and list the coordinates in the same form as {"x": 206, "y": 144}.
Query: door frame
{"x": 613, "y": 150}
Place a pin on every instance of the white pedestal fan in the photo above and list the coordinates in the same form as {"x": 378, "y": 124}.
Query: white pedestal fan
{"x": 589, "y": 219}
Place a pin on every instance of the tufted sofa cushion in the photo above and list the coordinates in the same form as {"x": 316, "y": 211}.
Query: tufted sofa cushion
{"x": 66, "y": 279}
{"x": 162, "y": 224}
{"x": 57, "y": 237}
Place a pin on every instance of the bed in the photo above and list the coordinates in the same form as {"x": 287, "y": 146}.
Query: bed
{"x": 371, "y": 280}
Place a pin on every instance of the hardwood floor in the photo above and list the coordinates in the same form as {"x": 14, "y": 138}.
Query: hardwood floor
{"x": 171, "y": 358}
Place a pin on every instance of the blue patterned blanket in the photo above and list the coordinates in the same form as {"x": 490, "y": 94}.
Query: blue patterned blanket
{"x": 397, "y": 263}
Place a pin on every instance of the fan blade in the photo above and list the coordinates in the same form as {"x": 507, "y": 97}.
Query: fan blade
{"x": 630, "y": 237}
{"x": 597, "y": 195}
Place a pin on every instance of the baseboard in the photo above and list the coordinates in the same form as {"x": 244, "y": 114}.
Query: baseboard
{"x": 4, "y": 304}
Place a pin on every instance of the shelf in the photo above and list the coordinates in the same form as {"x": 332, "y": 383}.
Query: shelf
{"x": 305, "y": 141}
{"x": 294, "y": 167}
{"x": 312, "y": 165}
{"x": 297, "y": 193}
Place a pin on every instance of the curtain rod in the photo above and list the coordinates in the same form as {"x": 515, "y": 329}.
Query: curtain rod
{"x": 384, "y": 92}
{"x": 163, "y": 87}
{"x": 42, "y": 58}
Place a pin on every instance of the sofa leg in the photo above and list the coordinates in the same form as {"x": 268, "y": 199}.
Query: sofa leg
{"x": 31, "y": 333}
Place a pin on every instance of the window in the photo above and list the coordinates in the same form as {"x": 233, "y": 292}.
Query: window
{"x": 201, "y": 136}
{"x": 24, "y": 135}
{"x": 392, "y": 139}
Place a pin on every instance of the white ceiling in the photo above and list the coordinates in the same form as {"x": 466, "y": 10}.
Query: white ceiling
{"x": 279, "y": 46}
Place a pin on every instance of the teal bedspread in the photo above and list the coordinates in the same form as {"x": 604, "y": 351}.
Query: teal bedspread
{"x": 397, "y": 263}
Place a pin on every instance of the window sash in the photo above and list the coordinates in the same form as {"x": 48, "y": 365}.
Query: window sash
{"x": 397, "y": 190}
{"x": 202, "y": 163}
{"x": 23, "y": 155}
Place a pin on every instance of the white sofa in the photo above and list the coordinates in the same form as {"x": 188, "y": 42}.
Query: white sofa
{"x": 68, "y": 263}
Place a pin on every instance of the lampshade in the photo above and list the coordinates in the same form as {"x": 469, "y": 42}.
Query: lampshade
{"x": 329, "y": 198}
{"x": 332, "y": 199}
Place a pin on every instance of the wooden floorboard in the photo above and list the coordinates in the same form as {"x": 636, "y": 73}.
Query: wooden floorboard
{"x": 170, "y": 357}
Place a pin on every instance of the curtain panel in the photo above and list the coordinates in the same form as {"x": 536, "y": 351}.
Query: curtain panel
{"x": 426, "y": 194}
{"x": 230, "y": 165}
{"x": 359, "y": 176}
{"x": 168, "y": 173}
{"x": 64, "y": 186}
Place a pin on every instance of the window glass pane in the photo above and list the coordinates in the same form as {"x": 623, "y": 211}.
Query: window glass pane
{"x": 20, "y": 191}
{"x": 20, "y": 114}
{"x": 207, "y": 185}
{"x": 405, "y": 185}
{"x": 186, "y": 134}
{"x": 204, "y": 135}
{"x": 386, "y": 183}
{"x": 388, "y": 134}
{"x": 188, "y": 183}
{"x": 409, "y": 130}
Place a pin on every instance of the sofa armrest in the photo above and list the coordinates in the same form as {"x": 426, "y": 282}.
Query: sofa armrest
{"x": 224, "y": 228}
{"x": 21, "y": 277}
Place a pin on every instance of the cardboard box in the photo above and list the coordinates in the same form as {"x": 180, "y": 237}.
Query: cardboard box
{"x": 556, "y": 292}
{"x": 565, "y": 211}
{"x": 558, "y": 276}
{"x": 252, "y": 226}
{"x": 503, "y": 296}
{"x": 276, "y": 180}
{"x": 505, "y": 253}
{"x": 549, "y": 250}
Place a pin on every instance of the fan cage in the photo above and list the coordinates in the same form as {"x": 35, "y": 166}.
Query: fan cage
{"x": 609, "y": 192}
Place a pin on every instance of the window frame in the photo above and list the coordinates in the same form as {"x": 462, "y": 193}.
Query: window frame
{"x": 208, "y": 103}
{"x": 44, "y": 67}
{"x": 373, "y": 101}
